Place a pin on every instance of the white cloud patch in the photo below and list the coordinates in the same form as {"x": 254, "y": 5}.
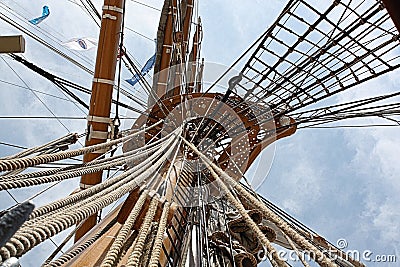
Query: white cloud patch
{"x": 376, "y": 164}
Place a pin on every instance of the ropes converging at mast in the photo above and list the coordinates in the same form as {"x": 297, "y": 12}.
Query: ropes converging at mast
{"x": 176, "y": 196}
{"x": 49, "y": 220}
{"x": 83, "y": 204}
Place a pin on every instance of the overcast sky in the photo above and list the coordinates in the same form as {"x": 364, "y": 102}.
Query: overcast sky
{"x": 343, "y": 183}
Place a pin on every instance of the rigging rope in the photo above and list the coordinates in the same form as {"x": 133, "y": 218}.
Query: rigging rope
{"x": 276, "y": 261}
{"x": 106, "y": 187}
{"x": 11, "y": 183}
{"x": 133, "y": 260}
{"x": 112, "y": 254}
{"x": 268, "y": 213}
{"x": 79, "y": 249}
{"x": 148, "y": 149}
{"x": 31, "y": 234}
{"x": 158, "y": 242}
{"x": 8, "y": 165}
{"x": 114, "y": 251}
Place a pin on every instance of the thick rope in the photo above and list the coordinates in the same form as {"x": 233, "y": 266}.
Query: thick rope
{"x": 31, "y": 235}
{"x": 155, "y": 255}
{"x": 61, "y": 245}
{"x": 149, "y": 148}
{"x": 21, "y": 163}
{"x": 148, "y": 244}
{"x": 72, "y": 254}
{"x": 133, "y": 260}
{"x": 114, "y": 251}
{"x": 26, "y": 182}
{"x": 127, "y": 183}
{"x": 94, "y": 163}
{"x": 28, "y": 237}
{"x": 297, "y": 251}
{"x": 268, "y": 213}
{"x": 84, "y": 194}
{"x": 57, "y": 177}
{"x": 275, "y": 260}
{"x": 68, "y": 137}
{"x": 108, "y": 187}
{"x": 281, "y": 224}
{"x": 120, "y": 188}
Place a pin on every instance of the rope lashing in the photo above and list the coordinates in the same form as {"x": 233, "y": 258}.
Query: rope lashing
{"x": 120, "y": 179}
{"x": 108, "y": 185}
{"x": 13, "y": 219}
{"x": 121, "y": 187}
{"x": 147, "y": 149}
{"x": 92, "y": 163}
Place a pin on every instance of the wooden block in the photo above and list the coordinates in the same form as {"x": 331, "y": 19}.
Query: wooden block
{"x": 12, "y": 44}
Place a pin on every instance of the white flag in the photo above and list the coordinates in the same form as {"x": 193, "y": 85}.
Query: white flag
{"x": 84, "y": 43}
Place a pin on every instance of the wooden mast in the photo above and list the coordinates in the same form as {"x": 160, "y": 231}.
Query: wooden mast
{"x": 393, "y": 7}
{"x": 166, "y": 52}
{"x": 193, "y": 58}
{"x": 102, "y": 88}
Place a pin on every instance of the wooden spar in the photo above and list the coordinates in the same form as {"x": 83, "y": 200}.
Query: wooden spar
{"x": 166, "y": 53}
{"x": 12, "y": 44}
{"x": 199, "y": 78}
{"x": 181, "y": 39}
{"x": 186, "y": 27}
{"x": 393, "y": 8}
{"x": 193, "y": 58}
{"x": 102, "y": 89}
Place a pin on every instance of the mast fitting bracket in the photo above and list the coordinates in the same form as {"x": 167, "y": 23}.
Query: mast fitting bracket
{"x": 108, "y": 16}
{"x": 114, "y": 8}
{"x": 99, "y": 119}
{"x": 98, "y": 134}
{"x": 106, "y": 81}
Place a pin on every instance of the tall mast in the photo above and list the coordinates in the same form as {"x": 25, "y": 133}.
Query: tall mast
{"x": 99, "y": 121}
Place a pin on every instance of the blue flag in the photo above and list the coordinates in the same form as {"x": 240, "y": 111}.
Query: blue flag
{"x": 146, "y": 68}
{"x": 45, "y": 14}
